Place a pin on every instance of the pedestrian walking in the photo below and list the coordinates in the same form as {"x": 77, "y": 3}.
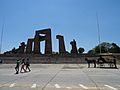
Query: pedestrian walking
{"x": 17, "y": 66}
{"x": 27, "y": 65}
{"x": 22, "y": 65}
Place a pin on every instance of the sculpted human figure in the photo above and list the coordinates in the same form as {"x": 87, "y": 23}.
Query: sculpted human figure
{"x": 74, "y": 47}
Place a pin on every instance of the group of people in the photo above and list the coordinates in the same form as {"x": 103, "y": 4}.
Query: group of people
{"x": 24, "y": 65}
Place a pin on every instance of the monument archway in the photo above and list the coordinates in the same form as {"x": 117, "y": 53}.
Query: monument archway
{"x": 40, "y": 35}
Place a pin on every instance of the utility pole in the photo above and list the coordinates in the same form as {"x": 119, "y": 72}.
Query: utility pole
{"x": 98, "y": 27}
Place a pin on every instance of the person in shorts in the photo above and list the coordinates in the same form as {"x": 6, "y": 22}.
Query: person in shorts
{"x": 17, "y": 66}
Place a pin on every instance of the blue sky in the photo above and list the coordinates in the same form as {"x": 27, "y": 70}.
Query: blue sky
{"x": 74, "y": 19}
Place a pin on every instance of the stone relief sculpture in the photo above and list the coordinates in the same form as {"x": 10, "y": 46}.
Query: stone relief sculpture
{"x": 19, "y": 50}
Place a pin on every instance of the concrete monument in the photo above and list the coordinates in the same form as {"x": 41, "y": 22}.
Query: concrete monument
{"x": 62, "y": 49}
{"x": 29, "y": 46}
{"x": 47, "y": 38}
{"x": 74, "y": 47}
{"x": 40, "y": 35}
{"x": 33, "y": 44}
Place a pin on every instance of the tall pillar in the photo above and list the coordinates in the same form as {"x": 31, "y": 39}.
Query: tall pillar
{"x": 36, "y": 44}
{"x": 62, "y": 49}
{"x": 29, "y": 46}
{"x": 48, "y": 42}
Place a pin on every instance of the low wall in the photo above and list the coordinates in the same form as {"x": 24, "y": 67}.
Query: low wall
{"x": 48, "y": 59}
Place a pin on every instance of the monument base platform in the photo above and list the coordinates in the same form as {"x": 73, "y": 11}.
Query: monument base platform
{"x": 43, "y": 59}
{"x": 48, "y": 59}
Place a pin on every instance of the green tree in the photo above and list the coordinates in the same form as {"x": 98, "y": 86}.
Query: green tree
{"x": 114, "y": 49}
{"x": 105, "y": 48}
{"x": 90, "y": 52}
{"x": 81, "y": 50}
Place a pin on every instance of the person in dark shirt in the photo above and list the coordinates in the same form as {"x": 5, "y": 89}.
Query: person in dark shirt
{"x": 101, "y": 60}
{"x": 22, "y": 65}
{"x": 27, "y": 65}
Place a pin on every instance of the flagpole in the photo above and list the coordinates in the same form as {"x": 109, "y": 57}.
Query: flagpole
{"x": 1, "y": 40}
{"x": 98, "y": 27}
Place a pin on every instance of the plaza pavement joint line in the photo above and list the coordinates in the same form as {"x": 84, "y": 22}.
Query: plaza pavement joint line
{"x": 50, "y": 80}
{"x": 93, "y": 81}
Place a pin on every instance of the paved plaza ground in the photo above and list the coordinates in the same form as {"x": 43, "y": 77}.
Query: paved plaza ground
{"x": 59, "y": 77}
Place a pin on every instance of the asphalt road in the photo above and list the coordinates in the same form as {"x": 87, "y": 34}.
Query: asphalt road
{"x": 59, "y": 77}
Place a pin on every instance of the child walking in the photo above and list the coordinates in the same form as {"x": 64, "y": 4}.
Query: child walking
{"x": 17, "y": 66}
{"x": 22, "y": 65}
{"x": 27, "y": 65}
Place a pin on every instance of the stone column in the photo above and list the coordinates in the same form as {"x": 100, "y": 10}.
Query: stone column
{"x": 48, "y": 42}
{"x": 36, "y": 44}
{"x": 62, "y": 49}
{"x": 29, "y": 46}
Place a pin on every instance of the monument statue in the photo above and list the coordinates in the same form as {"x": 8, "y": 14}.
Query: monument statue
{"x": 74, "y": 47}
{"x": 40, "y": 35}
{"x": 33, "y": 44}
{"x": 47, "y": 38}
{"x": 62, "y": 49}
